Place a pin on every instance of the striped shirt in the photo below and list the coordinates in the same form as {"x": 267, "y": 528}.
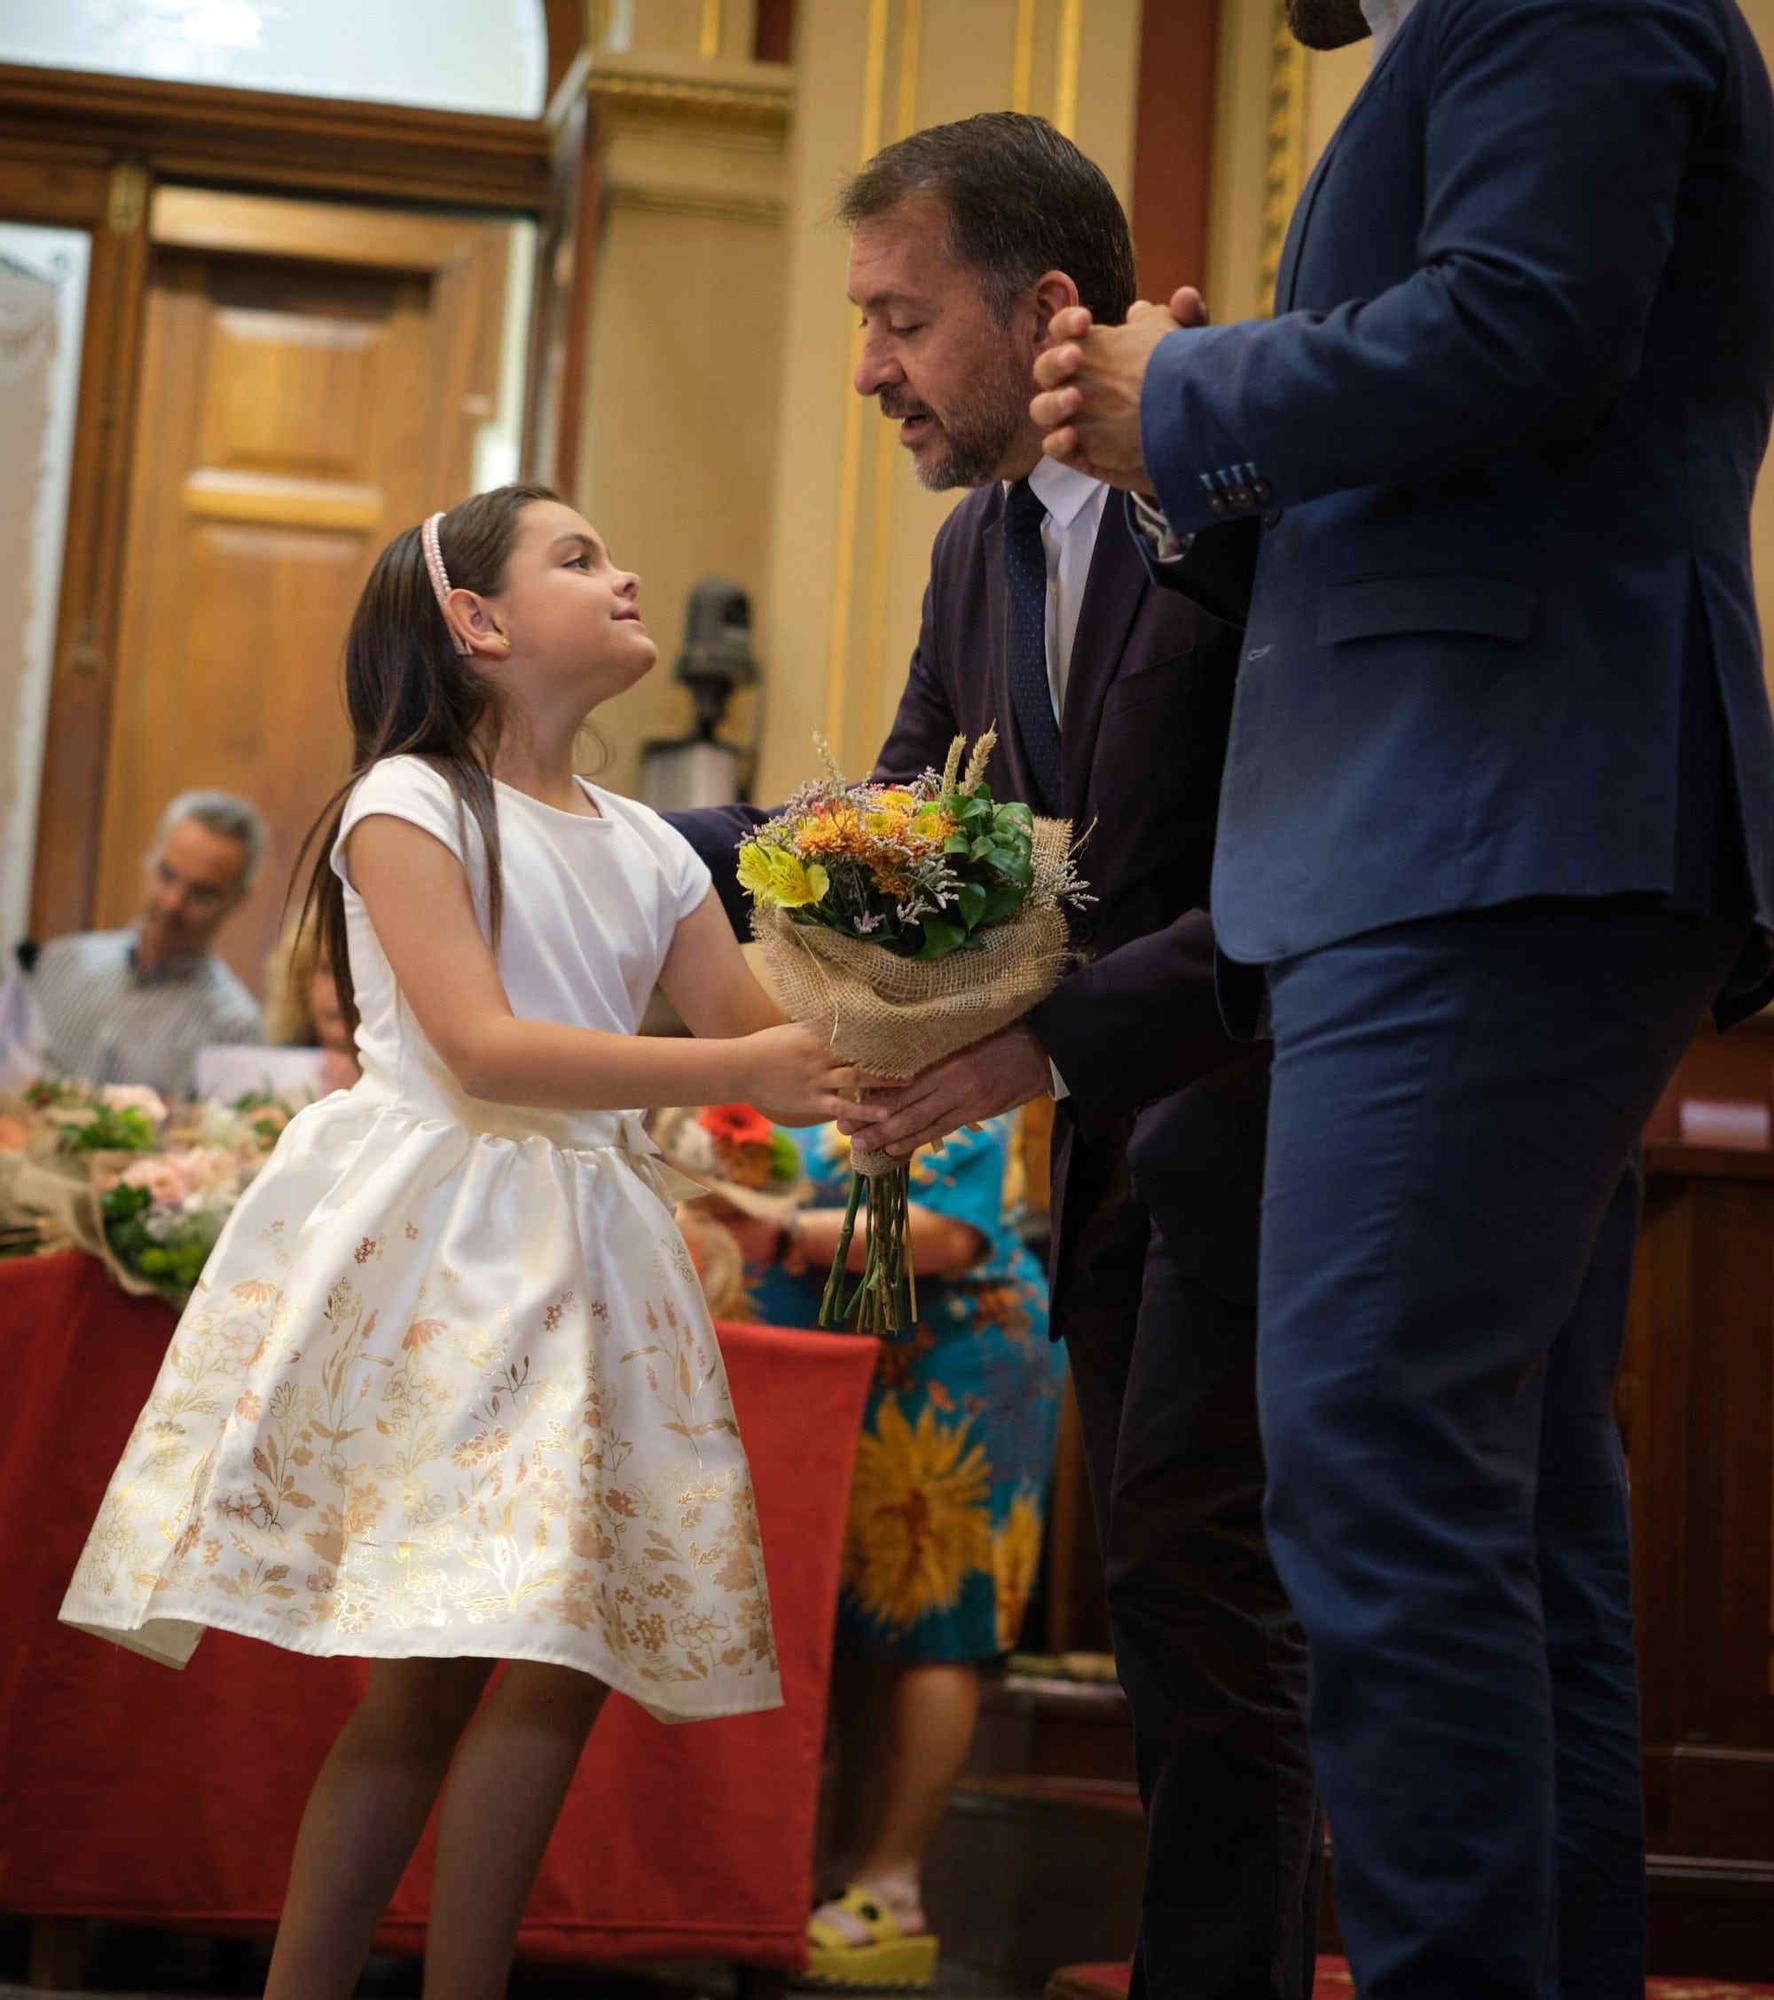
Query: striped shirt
{"x": 106, "y": 1022}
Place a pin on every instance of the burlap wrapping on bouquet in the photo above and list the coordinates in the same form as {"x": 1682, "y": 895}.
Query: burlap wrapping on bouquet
{"x": 61, "y": 1199}
{"x": 892, "y": 1016}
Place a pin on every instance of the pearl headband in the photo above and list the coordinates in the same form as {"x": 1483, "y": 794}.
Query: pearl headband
{"x": 440, "y": 579}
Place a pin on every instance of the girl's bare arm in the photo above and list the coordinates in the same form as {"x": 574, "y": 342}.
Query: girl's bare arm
{"x": 417, "y": 896}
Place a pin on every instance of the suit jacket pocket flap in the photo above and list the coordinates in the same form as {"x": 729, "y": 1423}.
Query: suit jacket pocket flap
{"x": 1490, "y": 605}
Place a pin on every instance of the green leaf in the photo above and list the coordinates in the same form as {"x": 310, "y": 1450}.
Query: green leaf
{"x": 940, "y": 938}
{"x": 957, "y": 843}
{"x": 971, "y": 899}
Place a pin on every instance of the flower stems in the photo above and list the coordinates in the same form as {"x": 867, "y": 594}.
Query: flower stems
{"x": 885, "y": 1298}
{"x": 831, "y": 1306}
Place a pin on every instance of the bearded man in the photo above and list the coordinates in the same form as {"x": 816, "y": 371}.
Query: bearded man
{"x": 1110, "y": 698}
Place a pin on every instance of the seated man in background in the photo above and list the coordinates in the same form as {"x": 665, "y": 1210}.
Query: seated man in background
{"x": 135, "y": 1005}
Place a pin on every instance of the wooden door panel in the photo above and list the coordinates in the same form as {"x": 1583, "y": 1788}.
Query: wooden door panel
{"x": 1699, "y": 1392}
{"x": 296, "y": 412}
{"x": 295, "y": 390}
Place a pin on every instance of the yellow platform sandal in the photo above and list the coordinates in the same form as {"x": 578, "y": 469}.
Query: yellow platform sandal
{"x": 885, "y": 1959}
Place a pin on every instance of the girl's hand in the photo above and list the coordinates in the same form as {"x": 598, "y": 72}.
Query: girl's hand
{"x": 791, "y": 1076}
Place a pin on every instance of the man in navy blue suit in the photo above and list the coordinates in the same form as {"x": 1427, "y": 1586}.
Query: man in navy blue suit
{"x": 1497, "y": 827}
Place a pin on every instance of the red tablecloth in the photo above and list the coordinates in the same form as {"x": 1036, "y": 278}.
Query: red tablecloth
{"x": 131, "y": 1792}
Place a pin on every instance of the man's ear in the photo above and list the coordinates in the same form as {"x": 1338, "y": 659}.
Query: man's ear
{"x": 1053, "y": 292}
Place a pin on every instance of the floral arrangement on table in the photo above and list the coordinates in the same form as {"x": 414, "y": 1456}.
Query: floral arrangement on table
{"x": 742, "y": 1162}
{"x": 905, "y": 922}
{"x": 735, "y": 1144}
{"x": 118, "y": 1172}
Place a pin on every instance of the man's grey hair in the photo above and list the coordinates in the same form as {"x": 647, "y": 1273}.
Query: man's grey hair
{"x": 224, "y": 814}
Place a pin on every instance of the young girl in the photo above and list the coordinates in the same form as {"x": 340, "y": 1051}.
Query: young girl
{"x": 448, "y": 1394}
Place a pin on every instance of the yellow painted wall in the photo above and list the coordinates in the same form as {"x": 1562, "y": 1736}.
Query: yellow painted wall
{"x": 678, "y": 454}
{"x": 851, "y": 547}
{"x": 722, "y": 435}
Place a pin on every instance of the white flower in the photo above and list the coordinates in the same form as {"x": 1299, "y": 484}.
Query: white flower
{"x": 221, "y": 1125}
{"x": 134, "y": 1097}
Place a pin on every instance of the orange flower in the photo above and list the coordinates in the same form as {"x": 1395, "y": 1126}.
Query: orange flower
{"x": 735, "y": 1125}
{"x": 421, "y": 1333}
{"x": 839, "y": 832}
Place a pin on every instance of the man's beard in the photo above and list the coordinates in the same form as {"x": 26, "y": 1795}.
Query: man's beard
{"x": 1327, "y": 24}
{"x": 978, "y": 428}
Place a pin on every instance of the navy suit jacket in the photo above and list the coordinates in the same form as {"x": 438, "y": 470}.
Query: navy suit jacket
{"x": 1481, "y": 489}
{"x": 1142, "y": 738}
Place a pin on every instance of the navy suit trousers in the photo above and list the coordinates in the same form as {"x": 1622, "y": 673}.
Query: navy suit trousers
{"x": 1211, "y": 1656}
{"x": 1449, "y": 1218}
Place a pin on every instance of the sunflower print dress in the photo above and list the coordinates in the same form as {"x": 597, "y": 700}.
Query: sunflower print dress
{"x": 943, "y": 1537}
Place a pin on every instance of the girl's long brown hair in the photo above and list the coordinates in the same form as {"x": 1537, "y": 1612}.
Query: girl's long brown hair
{"x": 409, "y": 693}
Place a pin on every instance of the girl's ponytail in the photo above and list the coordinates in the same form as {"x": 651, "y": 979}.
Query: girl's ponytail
{"x": 411, "y": 689}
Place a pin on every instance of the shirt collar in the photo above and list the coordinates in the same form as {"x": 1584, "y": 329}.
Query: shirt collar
{"x": 1062, "y": 489}
{"x": 181, "y": 965}
{"x": 1385, "y": 17}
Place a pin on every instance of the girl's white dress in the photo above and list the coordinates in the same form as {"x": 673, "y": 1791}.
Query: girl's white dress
{"x": 448, "y": 1385}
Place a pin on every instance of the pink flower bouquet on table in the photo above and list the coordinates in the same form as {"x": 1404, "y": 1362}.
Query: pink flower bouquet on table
{"x": 144, "y": 1186}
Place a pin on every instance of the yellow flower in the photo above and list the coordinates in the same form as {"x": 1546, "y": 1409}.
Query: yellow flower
{"x": 919, "y": 1522}
{"x": 892, "y": 810}
{"x": 773, "y": 875}
{"x": 1016, "y": 1554}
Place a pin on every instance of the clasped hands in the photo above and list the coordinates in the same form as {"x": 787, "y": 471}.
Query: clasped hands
{"x": 1090, "y": 379}
{"x": 993, "y": 1075}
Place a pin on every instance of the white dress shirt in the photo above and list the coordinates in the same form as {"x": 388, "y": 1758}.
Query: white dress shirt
{"x": 1074, "y": 503}
{"x": 1385, "y": 17}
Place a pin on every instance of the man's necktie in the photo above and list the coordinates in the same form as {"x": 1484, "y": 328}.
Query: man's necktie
{"x": 1025, "y": 570}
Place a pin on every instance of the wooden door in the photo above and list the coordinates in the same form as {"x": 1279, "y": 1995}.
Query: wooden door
{"x": 312, "y": 377}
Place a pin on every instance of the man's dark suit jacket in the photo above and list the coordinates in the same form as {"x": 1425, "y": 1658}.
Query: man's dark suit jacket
{"x": 1492, "y": 460}
{"x": 1143, "y": 734}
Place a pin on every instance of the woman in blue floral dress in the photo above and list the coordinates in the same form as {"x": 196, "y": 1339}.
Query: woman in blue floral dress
{"x": 944, "y": 1531}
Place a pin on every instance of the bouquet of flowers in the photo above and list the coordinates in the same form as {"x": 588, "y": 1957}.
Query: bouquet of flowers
{"x": 119, "y": 1173}
{"x": 163, "y": 1212}
{"x": 904, "y": 922}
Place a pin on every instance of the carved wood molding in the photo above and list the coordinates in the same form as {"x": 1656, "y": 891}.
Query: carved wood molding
{"x": 681, "y": 143}
{"x": 737, "y": 207}
{"x": 263, "y": 138}
{"x": 1284, "y": 148}
{"x": 764, "y": 99}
